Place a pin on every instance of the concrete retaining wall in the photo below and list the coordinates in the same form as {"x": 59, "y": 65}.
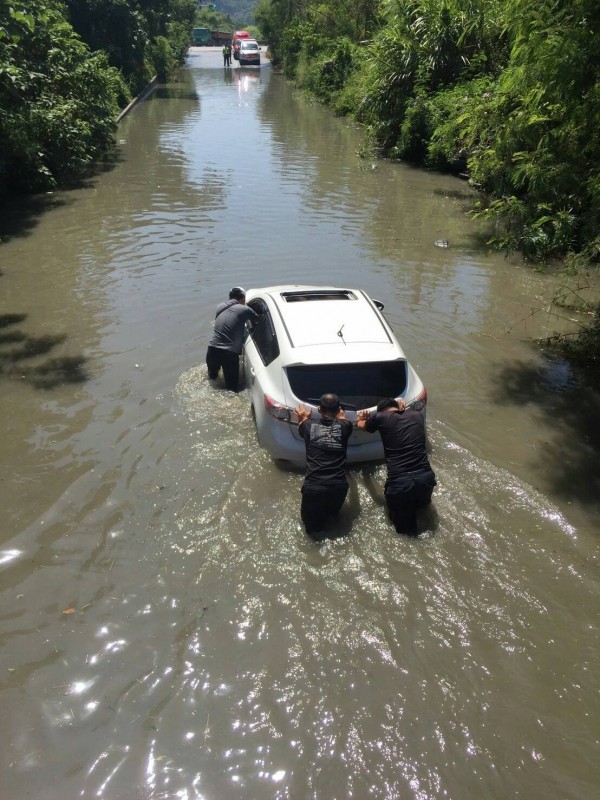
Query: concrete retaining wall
{"x": 142, "y": 96}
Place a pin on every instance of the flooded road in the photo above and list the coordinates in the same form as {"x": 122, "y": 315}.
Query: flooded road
{"x": 167, "y": 629}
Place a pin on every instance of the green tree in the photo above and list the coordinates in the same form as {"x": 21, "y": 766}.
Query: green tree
{"x": 58, "y": 101}
{"x": 132, "y": 33}
{"x": 536, "y": 146}
{"x": 207, "y": 17}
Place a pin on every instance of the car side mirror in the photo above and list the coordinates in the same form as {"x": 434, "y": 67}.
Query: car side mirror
{"x": 379, "y": 304}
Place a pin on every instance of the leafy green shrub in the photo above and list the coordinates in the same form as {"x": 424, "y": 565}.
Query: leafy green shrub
{"x": 450, "y": 122}
{"x": 179, "y": 41}
{"x": 350, "y": 98}
{"x": 415, "y": 132}
{"x": 58, "y": 101}
{"x": 128, "y": 30}
{"x": 325, "y": 73}
{"x": 161, "y": 57}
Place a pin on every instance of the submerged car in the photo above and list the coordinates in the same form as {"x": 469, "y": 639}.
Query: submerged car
{"x": 309, "y": 340}
{"x": 249, "y": 52}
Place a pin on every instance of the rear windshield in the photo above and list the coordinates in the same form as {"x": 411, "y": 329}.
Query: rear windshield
{"x": 357, "y": 385}
{"x": 249, "y": 46}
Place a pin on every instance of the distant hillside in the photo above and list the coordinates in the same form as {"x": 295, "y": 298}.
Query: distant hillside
{"x": 240, "y": 11}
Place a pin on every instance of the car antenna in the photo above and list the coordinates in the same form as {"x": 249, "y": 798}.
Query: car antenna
{"x": 341, "y": 335}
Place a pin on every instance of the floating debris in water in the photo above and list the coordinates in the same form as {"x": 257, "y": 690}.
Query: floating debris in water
{"x": 442, "y": 243}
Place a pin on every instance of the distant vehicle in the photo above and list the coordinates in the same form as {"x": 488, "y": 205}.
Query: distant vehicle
{"x": 201, "y": 36}
{"x": 249, "y": 52}
{"x": 238, "y": 36}
{"x": 219, "y": 38}
{"x": 315, "y": 339}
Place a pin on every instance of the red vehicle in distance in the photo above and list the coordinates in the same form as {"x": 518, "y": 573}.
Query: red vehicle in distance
{"x": 236, "y": 41}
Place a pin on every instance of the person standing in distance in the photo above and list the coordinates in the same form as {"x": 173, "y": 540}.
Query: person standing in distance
{"x": 326, "y": 440}
{"x": 410, "y": 479}
{"x": 225, "y": 345}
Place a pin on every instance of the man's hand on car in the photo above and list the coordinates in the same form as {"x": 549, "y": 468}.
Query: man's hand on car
{"x": 303, "y": 413}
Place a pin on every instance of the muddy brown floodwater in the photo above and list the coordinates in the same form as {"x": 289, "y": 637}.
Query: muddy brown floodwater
{"x": 168, "y": 630}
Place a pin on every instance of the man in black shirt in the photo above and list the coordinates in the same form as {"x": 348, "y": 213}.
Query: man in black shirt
{"x": 325, "y": 486}
{"x": 225, "y": 345}
{"x": 410, "y": 479}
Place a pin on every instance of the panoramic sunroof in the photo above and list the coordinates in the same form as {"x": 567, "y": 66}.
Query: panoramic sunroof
{"x": 318, "y": 294}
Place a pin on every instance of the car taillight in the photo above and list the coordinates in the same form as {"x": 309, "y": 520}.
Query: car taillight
{"x": 421, "y": 401}
{"x": 277, "y": 410}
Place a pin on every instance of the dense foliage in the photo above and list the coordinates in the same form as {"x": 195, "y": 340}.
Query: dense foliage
{"x": 58, "y": 100}
{"x": 506, "y": 91}
{"x": 141, "y": 37}
{"x": 66, "y": 69}
{"x": 228, "y": 16}
{"x": 213, "y": 19}
{"x": 241, "y": 12}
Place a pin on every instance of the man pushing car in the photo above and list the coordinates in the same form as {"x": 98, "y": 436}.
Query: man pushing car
{"x": 326, "y": 440}
{"x": 410, "y": 479}
{"x": 225, "y": 346}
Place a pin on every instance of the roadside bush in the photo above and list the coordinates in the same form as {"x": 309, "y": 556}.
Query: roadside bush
{"x": 415, "y": 131}
{"x": 390, "y": 71}
{"x": 119, "y": 29}
{"x": 179, "y": 41}
{"x": 584, "y": 349}
{"x": 58, "y": 102}
{"x": 450, "y": 120}
{"x": 129, "y": 30}
{"x": 326, "y": 74}
{"x": 536, "y": 146}
{"x": 162, "y": 58}
{"x": 351, "y": 97}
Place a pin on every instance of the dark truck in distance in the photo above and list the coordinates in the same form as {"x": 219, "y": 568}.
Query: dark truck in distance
{"x": 203, "y": 37}
{"x": 221, "y": 38}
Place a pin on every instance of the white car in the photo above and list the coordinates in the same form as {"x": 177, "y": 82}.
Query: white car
{"x": 249, "y": 52}
{"x": 315, "y": 339}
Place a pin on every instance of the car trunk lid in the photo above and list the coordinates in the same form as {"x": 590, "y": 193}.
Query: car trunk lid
{"x": 358, "y": 385}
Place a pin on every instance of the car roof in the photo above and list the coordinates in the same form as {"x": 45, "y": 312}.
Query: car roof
{"x": 248, "y": 41}
{"x": 341, "y": 324}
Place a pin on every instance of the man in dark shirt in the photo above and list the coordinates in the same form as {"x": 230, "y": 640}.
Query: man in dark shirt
{"x": 325, "y": 486}
{"x": 226, "y": 343}
{"x": 410, "y": 479}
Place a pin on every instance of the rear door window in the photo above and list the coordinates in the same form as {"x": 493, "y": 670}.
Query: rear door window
{"x": 357, "y": 385}
{"x": 263, "y": 333}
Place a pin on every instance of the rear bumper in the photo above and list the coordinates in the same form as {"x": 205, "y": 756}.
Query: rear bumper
{"x": 277, "y": 438}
